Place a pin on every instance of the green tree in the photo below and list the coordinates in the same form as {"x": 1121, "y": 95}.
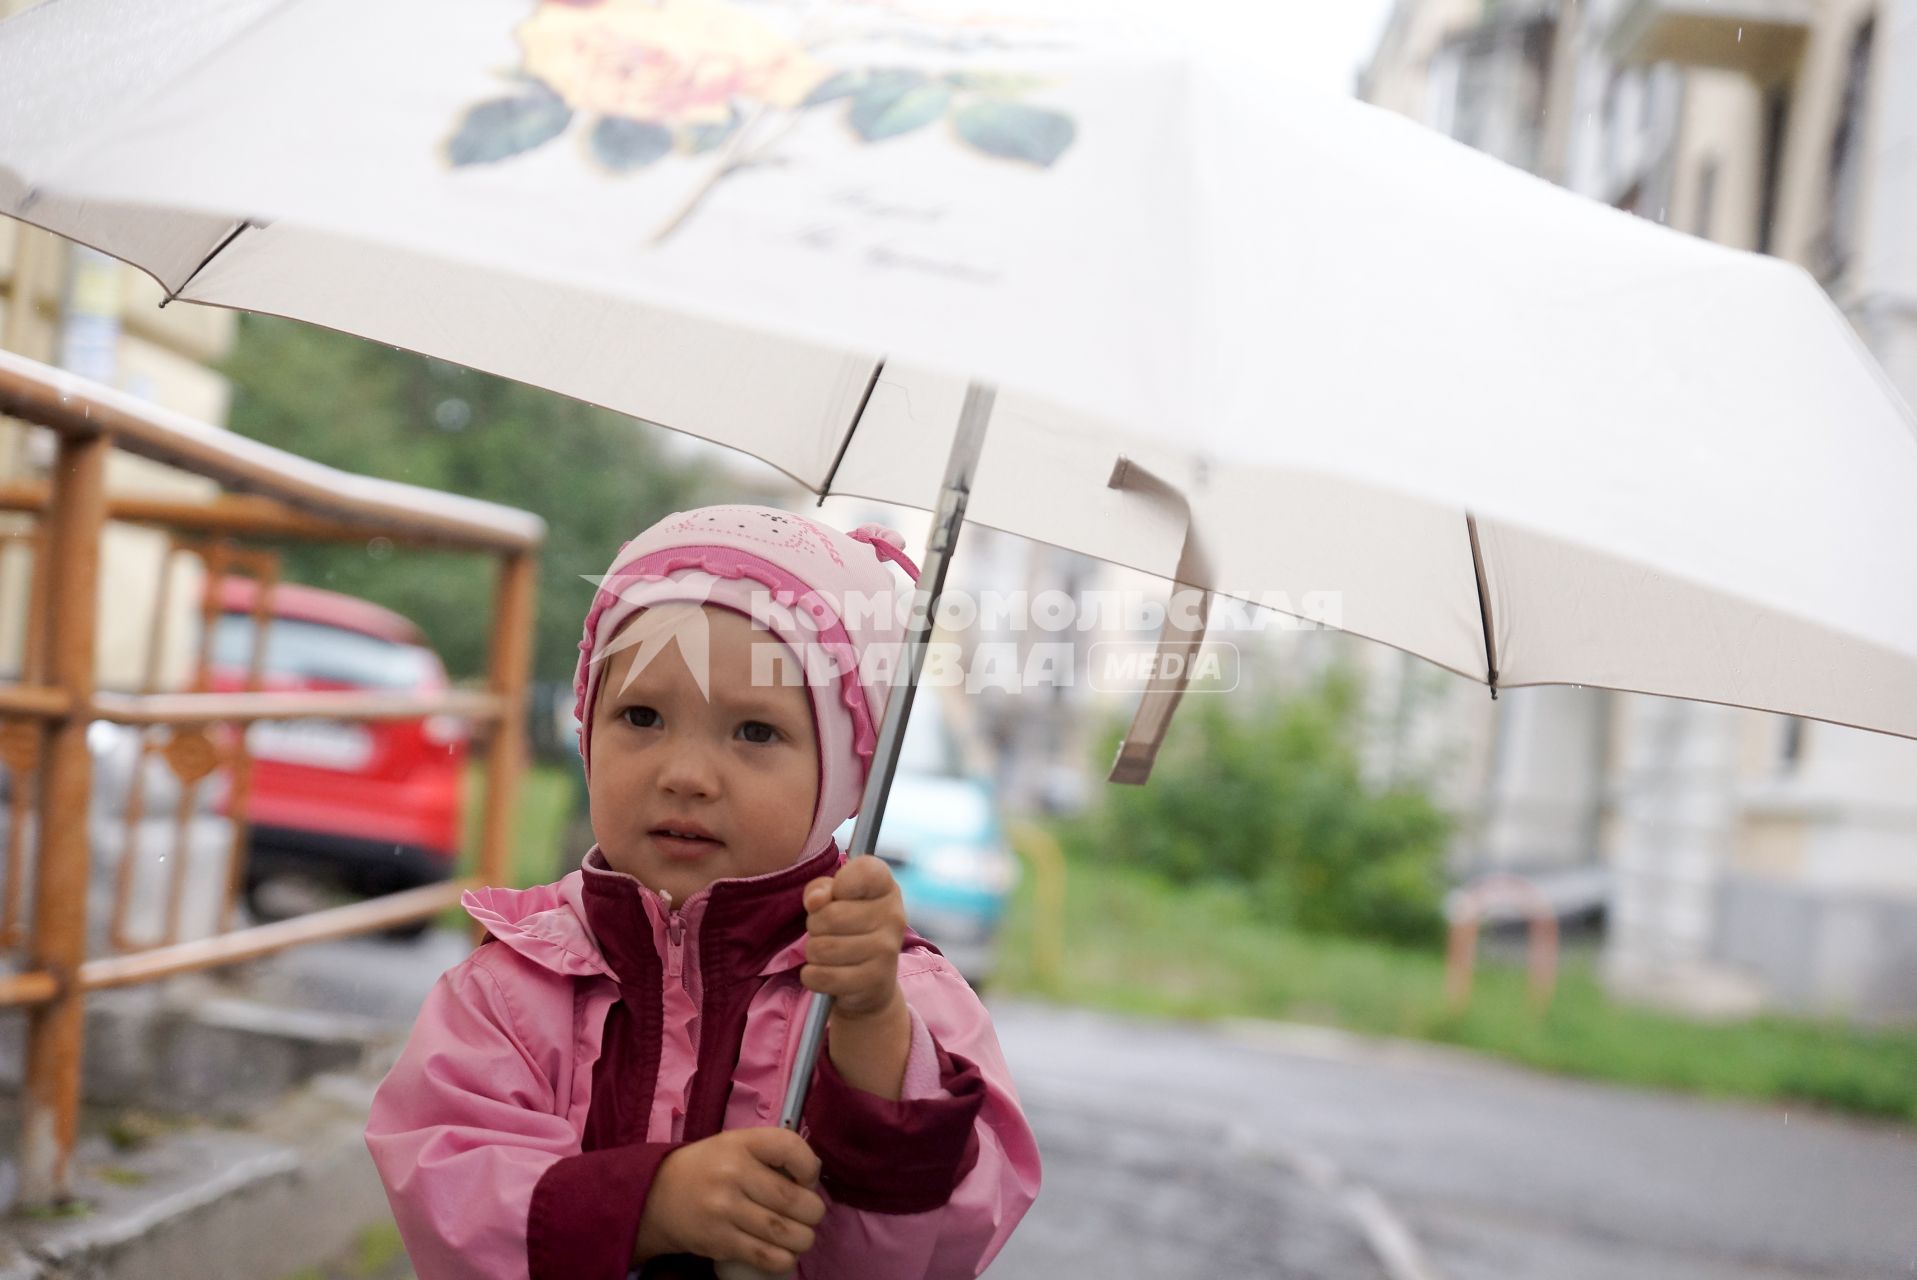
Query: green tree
{"x": 1272, "y": 797}
{"x": 595, "y": 476}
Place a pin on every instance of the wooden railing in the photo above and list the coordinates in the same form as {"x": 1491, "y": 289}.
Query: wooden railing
{"x": 44, "y": 716}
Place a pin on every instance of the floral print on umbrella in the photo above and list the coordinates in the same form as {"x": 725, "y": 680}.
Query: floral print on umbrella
{"x": 650, "y": 78}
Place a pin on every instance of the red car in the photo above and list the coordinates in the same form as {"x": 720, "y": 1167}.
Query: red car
{"x": 374, "y": 806}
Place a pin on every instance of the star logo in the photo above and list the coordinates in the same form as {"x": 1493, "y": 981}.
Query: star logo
{"x": 671, "y": 614}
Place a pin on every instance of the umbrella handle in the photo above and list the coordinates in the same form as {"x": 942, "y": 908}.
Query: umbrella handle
{"x": 746, "y": 1271}
{"x": 967, "y": 443}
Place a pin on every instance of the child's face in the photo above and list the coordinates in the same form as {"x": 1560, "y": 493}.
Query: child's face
{"x": 742, "y": 768}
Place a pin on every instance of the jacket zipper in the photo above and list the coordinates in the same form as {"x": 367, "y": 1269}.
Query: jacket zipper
{"x": 675, "y": 945}
{"x": 676, "y": 972}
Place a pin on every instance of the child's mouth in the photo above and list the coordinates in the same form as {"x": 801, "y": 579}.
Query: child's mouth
{"x": 677, "y": 842}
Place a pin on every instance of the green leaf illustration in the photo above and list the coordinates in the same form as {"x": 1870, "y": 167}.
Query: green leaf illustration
{"x": 1005, "y": 83}
{"x": 883, "y": 114}
{"x": 697, "y": 139}
{"x": 504, "y": 127}
{"x": 1015, "y": 131}
{"x": 624, "y": 145}
{"x": 843, "y": 85}
{"x": 863, "y": 81}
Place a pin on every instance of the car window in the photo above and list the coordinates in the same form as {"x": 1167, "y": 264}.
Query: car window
{"x": 961, "y": 810}
{"x": 315, "y": 651}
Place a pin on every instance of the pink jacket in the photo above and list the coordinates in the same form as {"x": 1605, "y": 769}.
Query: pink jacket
{"x": 598, "y": 1029}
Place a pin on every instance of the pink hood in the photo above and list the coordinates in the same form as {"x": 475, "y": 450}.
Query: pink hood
{"x": 830, "y": 596}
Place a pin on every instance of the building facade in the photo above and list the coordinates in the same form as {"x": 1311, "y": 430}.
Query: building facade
{"x": 70, "y": 306}
{"x": 1746, "y": 860}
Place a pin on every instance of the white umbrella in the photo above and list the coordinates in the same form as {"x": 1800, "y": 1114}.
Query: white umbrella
{"x": 1527, "y": 437}
{"x": 1331, "y": 332}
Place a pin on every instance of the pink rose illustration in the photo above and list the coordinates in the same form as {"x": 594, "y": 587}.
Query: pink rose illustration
{"x": 668, "y": 62}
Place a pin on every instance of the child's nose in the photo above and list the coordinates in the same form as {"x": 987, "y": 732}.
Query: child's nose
{"x": 691, "y": 771}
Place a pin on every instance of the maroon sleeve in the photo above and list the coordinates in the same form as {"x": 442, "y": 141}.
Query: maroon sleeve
{"x": 894, "y": 1157}
{"x": 584, "y": 1219}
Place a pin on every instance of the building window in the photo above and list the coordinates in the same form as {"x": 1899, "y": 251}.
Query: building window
{"x": 1777, "y": 115}
{"x": 1791, "y": 752}
{"x": 1706, "y": 198}
{"x": 1847, "y": 155}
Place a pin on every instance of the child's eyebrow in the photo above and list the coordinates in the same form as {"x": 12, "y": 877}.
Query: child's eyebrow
{"x": 756, "y": 702}
{"x": 636, "y": 689}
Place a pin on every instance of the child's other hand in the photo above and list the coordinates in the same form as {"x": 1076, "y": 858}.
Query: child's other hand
{"x": 855, "y": 925}
{"x": 727, "y": 1199}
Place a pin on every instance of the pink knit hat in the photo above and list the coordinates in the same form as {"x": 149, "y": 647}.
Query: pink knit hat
{"x": 828, "y": 595}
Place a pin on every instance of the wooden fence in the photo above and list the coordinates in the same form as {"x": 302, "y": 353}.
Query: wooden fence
{"x": 45, "y": 715}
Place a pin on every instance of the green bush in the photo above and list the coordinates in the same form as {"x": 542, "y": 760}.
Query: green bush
{"x": 1271, "y": 798}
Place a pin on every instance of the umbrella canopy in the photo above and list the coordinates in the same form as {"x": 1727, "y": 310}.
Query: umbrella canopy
{"x": 1525, "y": 436}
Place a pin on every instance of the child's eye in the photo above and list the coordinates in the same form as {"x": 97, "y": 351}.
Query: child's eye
{"x": 640, "y": 717}
{"x": 758, "y": 731}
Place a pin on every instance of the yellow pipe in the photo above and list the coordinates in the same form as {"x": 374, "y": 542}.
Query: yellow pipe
{"x": 1040, "y": 850}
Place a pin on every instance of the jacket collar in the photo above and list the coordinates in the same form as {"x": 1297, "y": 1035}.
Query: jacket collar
{"x": 561, "y": 926}
{"x": 546, "y": 924}
{"x": 736, "y": 928}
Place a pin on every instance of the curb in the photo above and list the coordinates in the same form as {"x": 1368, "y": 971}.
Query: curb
{"x": 291, "y": 1192}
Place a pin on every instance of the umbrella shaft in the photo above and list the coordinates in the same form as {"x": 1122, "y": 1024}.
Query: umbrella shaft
{"x": 953, "y": 494}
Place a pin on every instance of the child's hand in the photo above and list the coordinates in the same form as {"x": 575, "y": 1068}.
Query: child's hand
{"x": 725, "y": 1198}
{"x": 855, "y": 925}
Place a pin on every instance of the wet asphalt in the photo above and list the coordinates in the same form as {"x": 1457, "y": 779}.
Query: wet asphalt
{"x": 1269, "y": 1150}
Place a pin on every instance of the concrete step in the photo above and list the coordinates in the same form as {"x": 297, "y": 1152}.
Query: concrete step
{"x": 222, "y": 1134}
{"x": 192, "y": 1046}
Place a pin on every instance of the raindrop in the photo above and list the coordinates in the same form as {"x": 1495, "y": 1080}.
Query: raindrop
{"x": 452, "y": 414}
{"x": 163, "y": 857}
{"x": 1740, "y": 35}
{"x": 379, "y": 548}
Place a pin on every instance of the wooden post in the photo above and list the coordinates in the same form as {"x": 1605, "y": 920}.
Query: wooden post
{"x": 22, "y": 743}
{"x": 511, "y": 664}
{"x": 1461, "y": 951}
{"x": 52, "y": 1094}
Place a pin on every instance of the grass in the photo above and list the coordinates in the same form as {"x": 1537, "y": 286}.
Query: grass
{"x": 1136, "y": 944}
{"x": 131, "y": 1128}
{"x": 376, "y": 1254}
{"x": 539, "y": 829}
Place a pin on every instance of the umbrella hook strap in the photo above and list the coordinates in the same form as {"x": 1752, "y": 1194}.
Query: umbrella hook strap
{"x": 1186, "y": 617}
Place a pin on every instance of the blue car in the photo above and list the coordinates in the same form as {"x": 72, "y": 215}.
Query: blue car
{"x": 946, "y": 847}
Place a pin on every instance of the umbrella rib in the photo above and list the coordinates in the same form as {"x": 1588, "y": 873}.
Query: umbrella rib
{"x": 218, "y": 249}
{"x": 1484, "y": 604}
{"x": 832, "y": 473}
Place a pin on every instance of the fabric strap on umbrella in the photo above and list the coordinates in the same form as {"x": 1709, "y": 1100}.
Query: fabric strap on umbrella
{"x": 1178, "y": 643}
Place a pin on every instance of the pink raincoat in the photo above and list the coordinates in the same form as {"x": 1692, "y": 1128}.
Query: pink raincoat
{"x": 598, "y": 1029}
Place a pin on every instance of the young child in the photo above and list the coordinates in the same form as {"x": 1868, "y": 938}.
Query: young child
{"x": 596, "y": 1089}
